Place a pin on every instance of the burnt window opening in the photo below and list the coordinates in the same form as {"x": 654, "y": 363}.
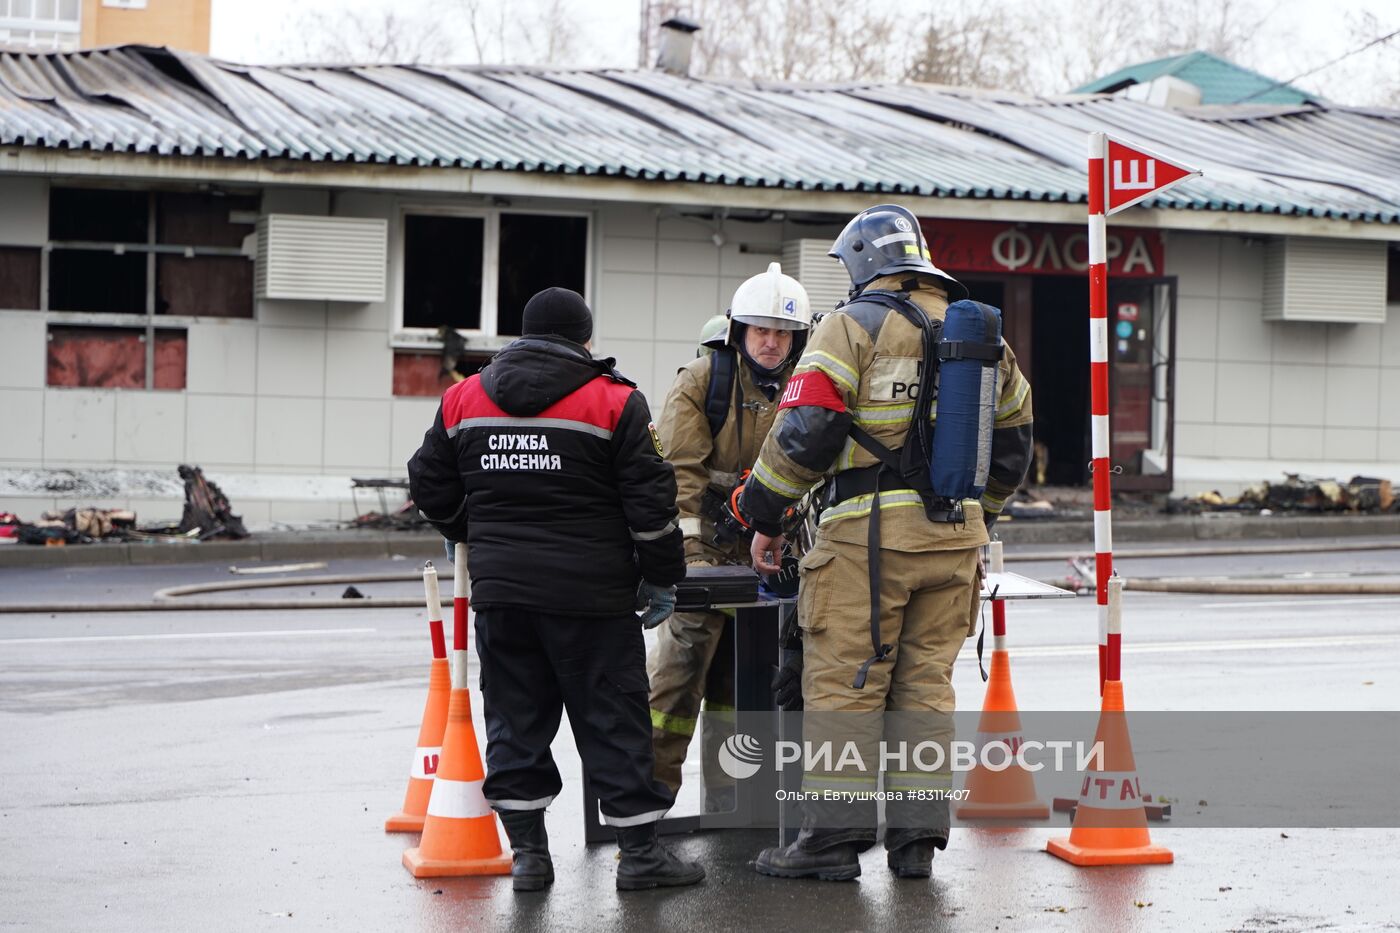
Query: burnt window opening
{"x": 97, "y": 280}
{"x": 442, "y": 271}
{"x": 102, "y": 240}
{"x": 97, "y": 215}
{"x": 537, "y": 251}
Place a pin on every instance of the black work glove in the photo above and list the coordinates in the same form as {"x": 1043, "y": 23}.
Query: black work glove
{"x": 787, "y": 681}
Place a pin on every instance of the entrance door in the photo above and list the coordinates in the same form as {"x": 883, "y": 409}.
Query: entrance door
{"x": 1140, "y": 351}
{"x": 1060, "y": 381}
{"x": 1140, "y": 408}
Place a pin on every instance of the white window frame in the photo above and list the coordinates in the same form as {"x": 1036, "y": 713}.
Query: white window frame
{"x": 485, "y": 336}
{"x": 56, "y": 29}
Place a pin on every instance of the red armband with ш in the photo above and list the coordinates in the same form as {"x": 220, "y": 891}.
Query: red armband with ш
{"x": 813, "y": 387}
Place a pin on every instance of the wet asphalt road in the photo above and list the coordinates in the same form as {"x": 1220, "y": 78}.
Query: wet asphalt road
{"x": 233, "y": 771}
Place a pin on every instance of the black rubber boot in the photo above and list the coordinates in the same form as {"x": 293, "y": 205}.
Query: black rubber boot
{"x": 825, "y": 848}
{"x": 835, "y": 863}
{"x": 646, "y": 863}
{"x": 532, "y": 869}
{"x": 913, "y": 859}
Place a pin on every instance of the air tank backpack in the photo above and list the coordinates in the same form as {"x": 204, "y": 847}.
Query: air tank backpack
{"x": 948, "y": 462}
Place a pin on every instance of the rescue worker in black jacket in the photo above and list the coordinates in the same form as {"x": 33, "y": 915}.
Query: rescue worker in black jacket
{"x": 547, "y": 465}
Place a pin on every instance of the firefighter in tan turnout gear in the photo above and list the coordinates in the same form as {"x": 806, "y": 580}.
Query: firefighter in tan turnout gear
{"x": 715, "y": 418}
{"x": 888, "y": 593}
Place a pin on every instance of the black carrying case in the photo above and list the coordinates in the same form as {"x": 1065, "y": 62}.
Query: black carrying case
{"x": 706, "y": 587}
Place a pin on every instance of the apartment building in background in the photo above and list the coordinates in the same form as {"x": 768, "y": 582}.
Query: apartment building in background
{"x": 69, "y": 25}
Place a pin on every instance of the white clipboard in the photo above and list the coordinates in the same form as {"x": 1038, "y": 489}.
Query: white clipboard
{"x": 1015, "y": 586}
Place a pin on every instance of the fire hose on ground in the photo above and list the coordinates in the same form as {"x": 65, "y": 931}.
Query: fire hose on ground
{"x": 177, "y": 598}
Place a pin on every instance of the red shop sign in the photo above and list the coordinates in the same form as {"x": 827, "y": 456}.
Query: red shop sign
{"x": 1038, "y": 249}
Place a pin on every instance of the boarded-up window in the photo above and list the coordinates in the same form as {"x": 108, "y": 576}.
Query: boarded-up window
{"x": 420, "y": 375}
{"x": 537, "y": 251}
{"x": 19, "y": 278}
{"x": 442, "y": 261}
{"x": 202, "y": 219}
{"x": 114, "y": 358}
{"x": 172, "y": 348}
{"x": 204, "y": 286}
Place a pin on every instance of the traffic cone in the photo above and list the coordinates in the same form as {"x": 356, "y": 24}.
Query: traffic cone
{"x": 459, "y": 830}
{"x": 1008, "y": 794}
{"x": 1110, "y": 821}
{"x": 429, "y": 751}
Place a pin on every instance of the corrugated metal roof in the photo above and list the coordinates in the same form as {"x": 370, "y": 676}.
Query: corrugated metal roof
{"x": 919, "y": 140}
{"x": 1220, "y": 81}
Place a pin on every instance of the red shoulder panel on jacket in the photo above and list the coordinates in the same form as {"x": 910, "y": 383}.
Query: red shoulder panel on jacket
{"x": 598, "y": 402}
{"x": 467, "y": 396}
{"x": 812, "y": 387}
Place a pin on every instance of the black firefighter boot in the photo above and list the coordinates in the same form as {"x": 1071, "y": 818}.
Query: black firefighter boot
{"x": 646, "y": 863}
{"x": 911, "y": 852}
{"x": 830, "y": 855}
{"x": 531, "y": 869}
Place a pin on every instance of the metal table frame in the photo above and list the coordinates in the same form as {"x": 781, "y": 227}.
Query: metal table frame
{"x": 757, "y": 629}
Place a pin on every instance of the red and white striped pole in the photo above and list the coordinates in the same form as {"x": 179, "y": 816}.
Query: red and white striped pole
{"x": 434, "y": 601}
{"x": 1098, "y": 382}
{"x": 460, "y": 605}
{"x": 996, "y": 564}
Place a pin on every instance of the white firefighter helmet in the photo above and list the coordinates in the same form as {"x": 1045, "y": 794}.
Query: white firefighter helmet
{"x": 771, "y": 299}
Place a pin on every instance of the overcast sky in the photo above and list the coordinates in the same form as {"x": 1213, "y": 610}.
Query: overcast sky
{"x": 1303, "y": 35}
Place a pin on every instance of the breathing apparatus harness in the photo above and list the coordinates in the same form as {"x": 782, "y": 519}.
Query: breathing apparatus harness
{"x": 908, "y": 467}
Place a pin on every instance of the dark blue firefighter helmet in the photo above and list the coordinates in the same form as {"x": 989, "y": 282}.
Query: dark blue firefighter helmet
{"x": 884, "y": 240}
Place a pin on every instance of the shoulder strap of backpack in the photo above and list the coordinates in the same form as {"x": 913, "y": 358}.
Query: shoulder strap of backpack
{"x": 720, "y": 390}
{"x": 901, "y": 303}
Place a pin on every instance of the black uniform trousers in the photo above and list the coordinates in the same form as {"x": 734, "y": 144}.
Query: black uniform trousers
{"x": 535, "y": 665}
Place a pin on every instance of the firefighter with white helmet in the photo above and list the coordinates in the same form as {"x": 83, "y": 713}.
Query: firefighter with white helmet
{"x": 713, "y": 423}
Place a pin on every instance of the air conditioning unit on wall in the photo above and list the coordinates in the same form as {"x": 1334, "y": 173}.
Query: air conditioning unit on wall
{"x": 314, "y": 258}
{"x": 1330, "y": 280}
{"x": 824, "y": 278}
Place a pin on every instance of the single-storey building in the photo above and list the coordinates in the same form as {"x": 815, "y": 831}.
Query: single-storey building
{"x": 249, "y": 268}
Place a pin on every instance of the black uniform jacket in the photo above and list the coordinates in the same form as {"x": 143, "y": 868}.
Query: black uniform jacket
{"x": 547, "y": 465}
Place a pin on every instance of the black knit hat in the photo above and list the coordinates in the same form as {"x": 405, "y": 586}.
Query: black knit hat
{"x": 558, "y": 311}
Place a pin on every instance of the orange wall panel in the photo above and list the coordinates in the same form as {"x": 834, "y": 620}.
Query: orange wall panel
{"x": 181, "y": 24}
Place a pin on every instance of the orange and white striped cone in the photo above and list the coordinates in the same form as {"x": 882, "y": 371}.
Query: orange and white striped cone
{"x": 459, "y": 833}
{"x": 1110, "y": 822}
{"x": 1009, "y": 793}
{"x": 429, "y": 750}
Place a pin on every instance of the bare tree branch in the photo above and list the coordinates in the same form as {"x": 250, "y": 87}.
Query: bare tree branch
{"x": 369, "y": 37}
